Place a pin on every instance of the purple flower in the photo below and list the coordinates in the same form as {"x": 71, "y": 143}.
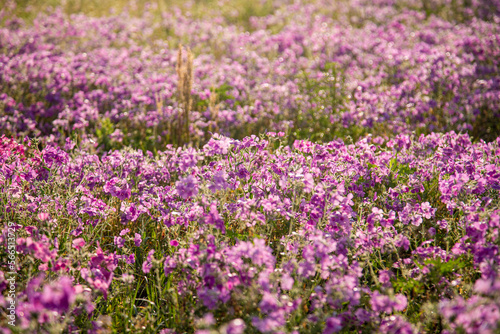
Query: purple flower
{"x": 169, "y": 265}
{"x": 396, "y": 324}
{"x": 146, "y": 267}
{"x": 59, "y": 296}
{"x": 189, "y": 158}
{"x": 381, "y": 303}
{"x": 187, "y": 187}
{"x": 130, "y": 259}
{"x": 287, "y": 282}
{"x": 148, "y": 264}
{"x": 427, "y": 211}
{"x": 214, "y": 218}
{"x": 242, "y": 173}
{"x": 124, "y": 232}
{"x": 402, "y": 242}
{"x": 54, "y": 156}
{"x": 384, "y": 276}
{"x": 69, "y": 144}
{"x": 236, "y": 326}
{"x": 76, "y": 232}
{"x": 219, "y": 181}
{"x": 131, "y": 212}
{"x": 217, "y": 145}
{"x": 400, "y": 302}
{"x": 308, "y": 182}
{"x": 207, "y": 320}
{"x": 118, "y": 188}
{"x": 137, "y": 239}
{"x": 333, "y": 325}
{"x": 271, "y": 322}
{"x": 268, "y": 303}
{"x": 119, "y": 242}
{"x": 168, "y": 331}
{"x": 127, "y": 278}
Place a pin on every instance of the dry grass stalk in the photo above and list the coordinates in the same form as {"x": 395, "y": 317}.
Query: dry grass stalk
{"x": 184, "y": 86}
{"x": 214, "y": 110}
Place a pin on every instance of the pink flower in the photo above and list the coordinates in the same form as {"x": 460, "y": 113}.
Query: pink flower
{"x": 287, "y": 282}
{"x": 78, "y": 243}
{"x": 43, "y": 216}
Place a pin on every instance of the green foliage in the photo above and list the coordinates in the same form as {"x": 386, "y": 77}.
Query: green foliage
{"x": 242, "y": 12}
{"x": 442, "y": 269}
{"x": 486, "y": 125}
{"x": 326, "y": 97}
{"x": 105, "y": 129}
{"x": 222, "y": 93}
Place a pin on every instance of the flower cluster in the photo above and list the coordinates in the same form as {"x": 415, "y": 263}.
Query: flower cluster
{"x": 326, "y": 236}
{"x": 381, "y": 71}
{"x": 146, "y": 194}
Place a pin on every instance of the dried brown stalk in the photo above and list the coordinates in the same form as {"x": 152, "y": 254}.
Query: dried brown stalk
{"x": 214, "y": 110}
{"x": 184, "y": 86}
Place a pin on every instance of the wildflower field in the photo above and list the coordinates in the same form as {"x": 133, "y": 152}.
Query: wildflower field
{"x": 288, "y": 166}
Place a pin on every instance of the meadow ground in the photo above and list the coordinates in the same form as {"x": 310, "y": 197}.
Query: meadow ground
{"x": 283, "y": 166}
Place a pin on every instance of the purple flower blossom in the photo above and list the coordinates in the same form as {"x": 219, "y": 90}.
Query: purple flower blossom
{"x": 127, "y": 278}
{"x": 308, "y": 182}
{"x": 213, "y": 218}
{"x": 148, "y": 264}
{"x": 236, "y": 326}
{"x": 118, "y": 188}
{"x": 287, "y": 282}
{"x": 59, "y": 296}
{"x": 385, "y": 276}
{"x": 219, "y": 181}
{"x": 137, "y": 239}
{"x": 119, "y": 242}
{"x": 187, "y": 187}
{"x": 130, "y": 259}
{"x": 382, "y": 303}
{"x": 130, "y": 212}
{"x": 333, "y": 325}
{"x": 124, "y": 232}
